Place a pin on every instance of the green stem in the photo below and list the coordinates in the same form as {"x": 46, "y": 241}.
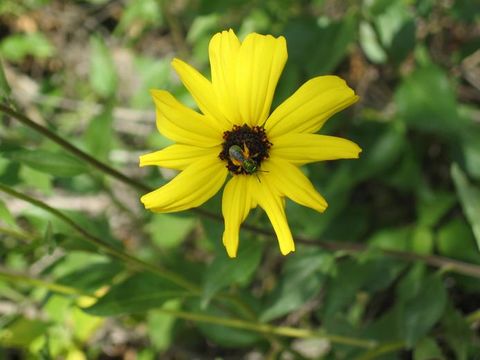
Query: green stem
{"x": 58, "y": 288}
{"x": 432, "y": 260}
{"x": 73, "y": 149}
{"x": 132, "y": 262}
{"x": 229, "y": 322}
{"x": 270, "y": 329}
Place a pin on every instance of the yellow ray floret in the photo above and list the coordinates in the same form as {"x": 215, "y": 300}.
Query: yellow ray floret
{"x": 235, "y": 114}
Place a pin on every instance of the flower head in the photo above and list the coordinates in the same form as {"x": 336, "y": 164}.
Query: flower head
{"x": 235, "y": 136}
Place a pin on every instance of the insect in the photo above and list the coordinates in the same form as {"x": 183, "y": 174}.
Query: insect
{"x": 241, "y": 157}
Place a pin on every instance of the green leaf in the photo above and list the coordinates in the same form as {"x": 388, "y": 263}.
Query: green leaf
{"x": 403, "y": 42}
{"x": 91, "y": 277}
{"x": 427, "y": 349}
{"x": 310, "y": 41}
{"x": 391, "y": 239}
{"x": 371, "y": 44}
{"x": 103, "y": 76}
{"x": 36, "y": 179}
{"x": 18, "y": 46}
{"x": 458, "y": 333}
{"x": 421, "y": 241}
{"x": 424, "y": 310}
{"x": 168, "y": 231}
{"x": 202, "y": 26}
{"x": 455, "y": 239}
{"x": 22, "y": 332}
{"x": 99, "y": 134}
{"x": 432, "y": 206}
{"x": 137, "y": 294}
{"x": 332, "y": 39}
{"x": 224, "y": 336}
{"x": 57, "y": 164}
{"x": 470, "y": 200}
{"x": 224, "y": 271}
{"x": 5, "y": 214}
{"x": 373, "y": 274}
{"x": 161, "y": 325}
{"x": 300, "y": 281}
{"x": 417, "y": 99}
{"x": 153, "y": 73}
{"x": 138, "y": 14}
{"x": 471, "y": 151}
{"x": 382, "y": 153}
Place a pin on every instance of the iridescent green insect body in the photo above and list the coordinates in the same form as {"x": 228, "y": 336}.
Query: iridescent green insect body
{"x": 241, "y": 157}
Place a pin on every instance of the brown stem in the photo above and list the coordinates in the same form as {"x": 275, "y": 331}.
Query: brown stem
{"x": 432, "y": 260}
{"x": 73, "y": 149}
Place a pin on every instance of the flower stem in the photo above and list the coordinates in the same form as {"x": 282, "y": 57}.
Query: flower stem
{"x": 132, "y": 262}
{"x": 73, "y": 149}
{"x": 456, "y": 266}
{"x": 270, "y": 329}
{"x": 229, "y": 322}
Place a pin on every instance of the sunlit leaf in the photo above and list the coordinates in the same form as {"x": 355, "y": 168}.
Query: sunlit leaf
{"x": 22, "y": 332}
{"x": 5, "y": 214}
{"x": 16, "y": 47}
{"x": 103, "y": 76}
{"x": 168, "y": 231}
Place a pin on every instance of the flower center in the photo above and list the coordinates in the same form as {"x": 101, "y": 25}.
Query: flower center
{"x": 244, "y": 148}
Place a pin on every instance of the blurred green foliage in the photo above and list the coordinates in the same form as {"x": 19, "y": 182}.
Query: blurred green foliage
{"x": 83, "y": 70}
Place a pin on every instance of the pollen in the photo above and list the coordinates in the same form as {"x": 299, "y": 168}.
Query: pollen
{"x": 254, "y": 142}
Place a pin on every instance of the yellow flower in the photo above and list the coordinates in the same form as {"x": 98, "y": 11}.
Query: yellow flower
{"x": 236, "y": 134}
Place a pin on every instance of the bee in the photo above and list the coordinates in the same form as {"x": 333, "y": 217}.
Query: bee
{"x": 241, "y": 157}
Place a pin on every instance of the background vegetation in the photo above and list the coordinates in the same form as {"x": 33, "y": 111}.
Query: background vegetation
{"x": 390, "y": 271}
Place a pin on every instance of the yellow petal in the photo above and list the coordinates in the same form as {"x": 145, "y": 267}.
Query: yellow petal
{"x": 191, "y": 188}
{"x": 223, "y": 52}
{"x": 260, "y": 62}
{"x": 203, "y": 93}
{"x": 310, "y": 106}
{"x": 274, "y": 205}
{"x": 181, "y": 124}
{"x": 178, "y": 156}
{"x": 236, "y": 204}
{"x": 306, "y": 148}
{"x": 289, "y": 181}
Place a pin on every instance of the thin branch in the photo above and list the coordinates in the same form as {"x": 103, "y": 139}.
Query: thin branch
{"x": 456, "y": 266}
{"x": 229, "y": 322}
{"x": 270, "y": 329}
{"x": 442, "y": 262}
{"x": 73, "y": 149}
{"x": 131, "y": 261}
